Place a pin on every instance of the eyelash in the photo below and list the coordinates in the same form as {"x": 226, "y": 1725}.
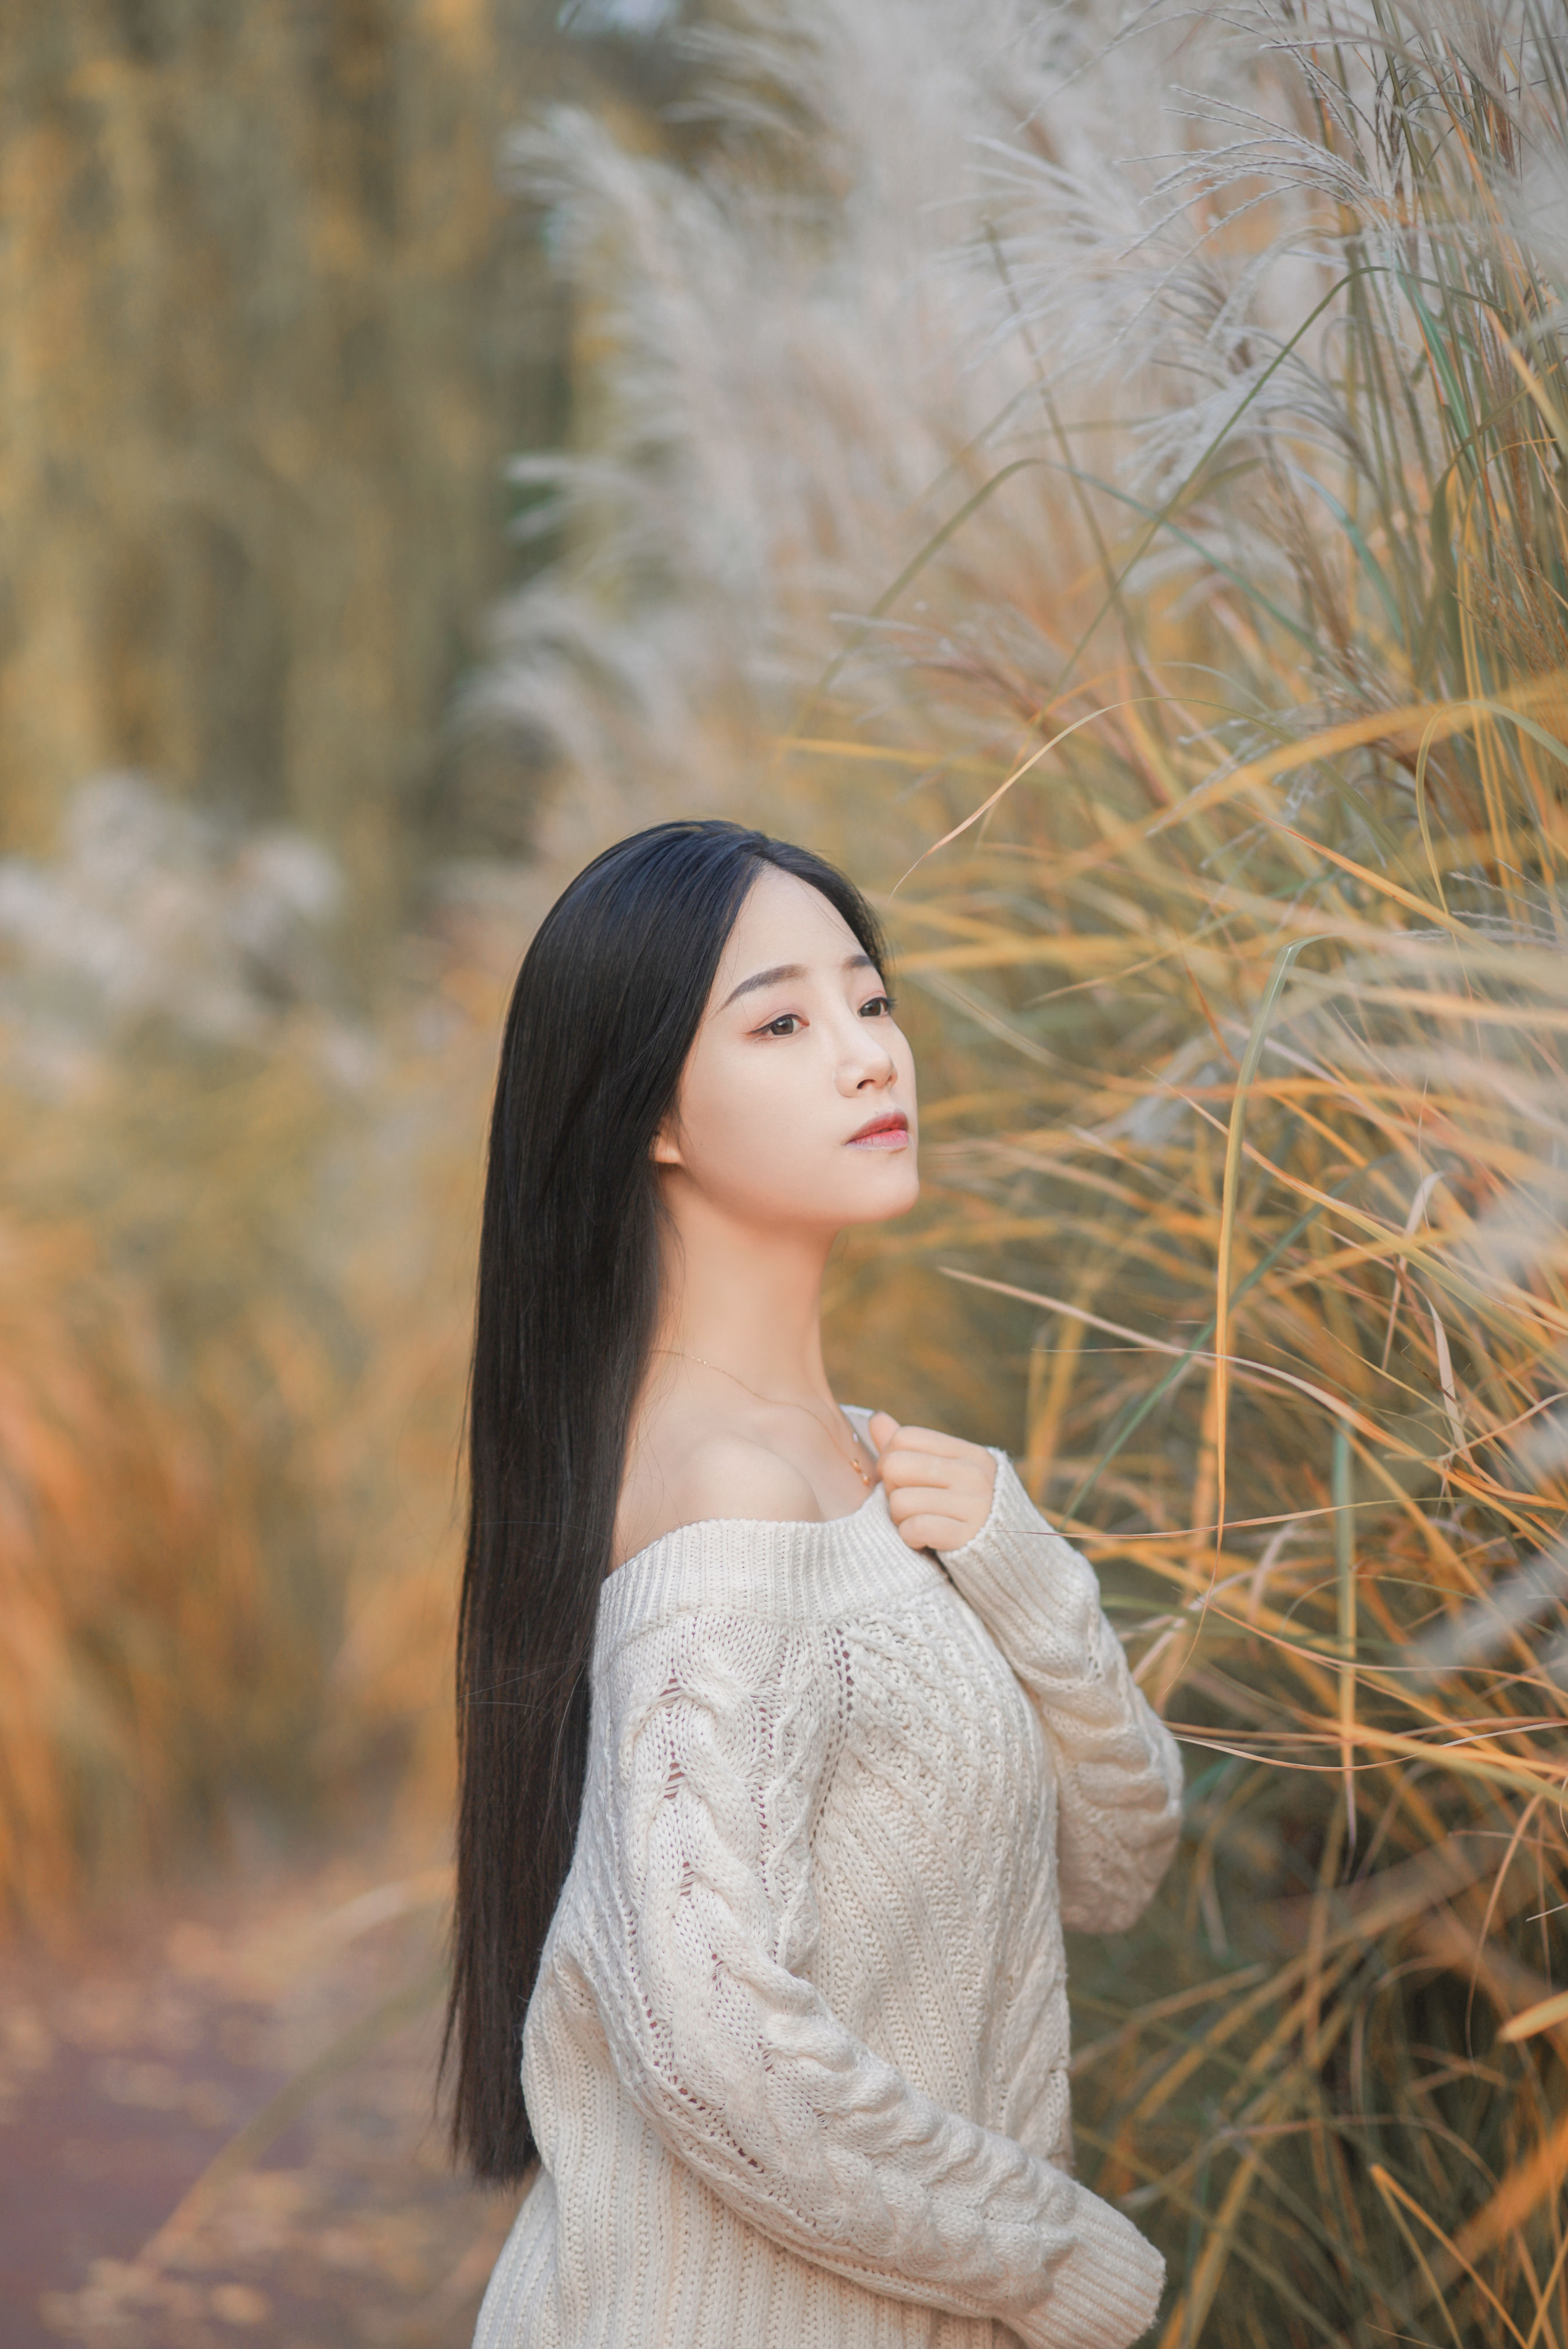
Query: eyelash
{"x": 776, "y": 1027}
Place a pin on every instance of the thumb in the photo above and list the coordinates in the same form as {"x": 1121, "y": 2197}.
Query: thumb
{"x": 882, "y": 1427}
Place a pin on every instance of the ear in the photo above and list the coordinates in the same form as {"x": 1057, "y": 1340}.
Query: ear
{"x": 666, "y": 1148}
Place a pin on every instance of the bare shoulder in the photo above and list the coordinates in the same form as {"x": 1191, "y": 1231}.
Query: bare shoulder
{"x": 730, "y": 1475}
{"x": 721, "y": 1474}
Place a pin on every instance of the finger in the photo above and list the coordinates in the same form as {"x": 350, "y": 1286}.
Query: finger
{"x": 931, "y": 1531}
{"x": 882, "y": 1428}
{"x": 914, "y": 1500}
{"x": 907, "y": 1464}
{"x": 932, "y": 1440}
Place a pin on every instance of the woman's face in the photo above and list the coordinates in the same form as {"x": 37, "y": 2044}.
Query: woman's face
{"x": 797, "y": 1103}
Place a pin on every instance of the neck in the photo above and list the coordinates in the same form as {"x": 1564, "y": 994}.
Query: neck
{"x": 748, "y": 1300}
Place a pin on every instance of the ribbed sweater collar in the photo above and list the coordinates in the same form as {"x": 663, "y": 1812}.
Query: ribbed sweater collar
{"x": 798, "y": 1571}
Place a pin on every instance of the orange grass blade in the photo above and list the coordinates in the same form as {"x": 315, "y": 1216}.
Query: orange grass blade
{"x": 1402, "y": 728}
{"x": 1185, "y": 2322}
{"x": 1002, "y": 788}
{"x": 1544, "y": 2016}
{"x": 1250, "y": 1059}
{"x": 1398, "y": 2201}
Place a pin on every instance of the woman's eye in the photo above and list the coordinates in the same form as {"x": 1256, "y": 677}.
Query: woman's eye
{"x": 879, "y": 1007}
{"x": 785, "y": 1025}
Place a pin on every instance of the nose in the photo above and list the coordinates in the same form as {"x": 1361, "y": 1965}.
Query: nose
{"x": 866, "y": 1065}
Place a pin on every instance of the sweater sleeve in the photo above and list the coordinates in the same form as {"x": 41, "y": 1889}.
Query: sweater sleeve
{"x": 721, "y": 1734}
{"x": 1118, "y": 1767}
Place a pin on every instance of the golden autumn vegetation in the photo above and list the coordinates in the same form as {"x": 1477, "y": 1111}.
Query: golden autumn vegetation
{"x": 1271, "y": 913}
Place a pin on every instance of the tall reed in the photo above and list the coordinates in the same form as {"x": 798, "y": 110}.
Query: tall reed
{"x": 1283, "y": 928}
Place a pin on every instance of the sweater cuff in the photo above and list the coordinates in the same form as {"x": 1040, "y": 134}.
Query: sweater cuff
{"x": 1105, "y": 2293}
{"x": 1017, "y": 1575}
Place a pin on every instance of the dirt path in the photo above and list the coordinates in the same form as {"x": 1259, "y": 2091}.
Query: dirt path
{"x": 284, "y": 2025}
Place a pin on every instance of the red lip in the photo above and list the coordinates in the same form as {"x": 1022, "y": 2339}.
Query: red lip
{"x": 891, "y": 1121}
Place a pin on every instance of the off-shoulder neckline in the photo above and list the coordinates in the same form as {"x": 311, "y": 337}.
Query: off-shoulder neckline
{"x": 777, "y": 1524}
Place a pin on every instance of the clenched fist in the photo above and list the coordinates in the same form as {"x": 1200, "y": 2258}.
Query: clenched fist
{"x": 938, "y": 1487}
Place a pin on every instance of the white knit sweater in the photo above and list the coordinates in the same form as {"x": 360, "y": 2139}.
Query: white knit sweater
{"x": 797, "y": 2057}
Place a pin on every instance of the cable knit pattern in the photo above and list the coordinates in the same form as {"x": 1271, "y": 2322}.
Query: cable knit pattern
{"x": 797, "y": 2058}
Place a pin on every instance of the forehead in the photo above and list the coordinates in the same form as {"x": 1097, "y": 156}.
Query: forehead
{"x": 783, "y": 919}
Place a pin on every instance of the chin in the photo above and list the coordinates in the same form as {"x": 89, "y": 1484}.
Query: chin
{"x": 897, "y": 1200}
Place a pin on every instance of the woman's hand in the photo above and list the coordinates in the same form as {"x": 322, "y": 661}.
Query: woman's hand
{"x": 938, "y": 1487}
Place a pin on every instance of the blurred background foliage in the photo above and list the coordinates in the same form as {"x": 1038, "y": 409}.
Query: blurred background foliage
{"x": 1102, "y": 476}
{"x": 268, "y": 338}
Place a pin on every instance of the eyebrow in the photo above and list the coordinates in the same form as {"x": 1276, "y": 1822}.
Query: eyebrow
{"x": 789, "y": 970}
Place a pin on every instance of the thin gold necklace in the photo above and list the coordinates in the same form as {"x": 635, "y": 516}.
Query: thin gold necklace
{"x": 775, "y": 1401}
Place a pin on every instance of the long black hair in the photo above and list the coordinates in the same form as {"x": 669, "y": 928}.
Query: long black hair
{"x": 601, "y": 1019}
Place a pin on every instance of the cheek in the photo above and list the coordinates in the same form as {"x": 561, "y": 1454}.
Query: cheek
{"x": 754, "y": 1127}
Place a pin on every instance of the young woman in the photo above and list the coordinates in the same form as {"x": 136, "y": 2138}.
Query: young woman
{"x": 791, "y": 1737}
